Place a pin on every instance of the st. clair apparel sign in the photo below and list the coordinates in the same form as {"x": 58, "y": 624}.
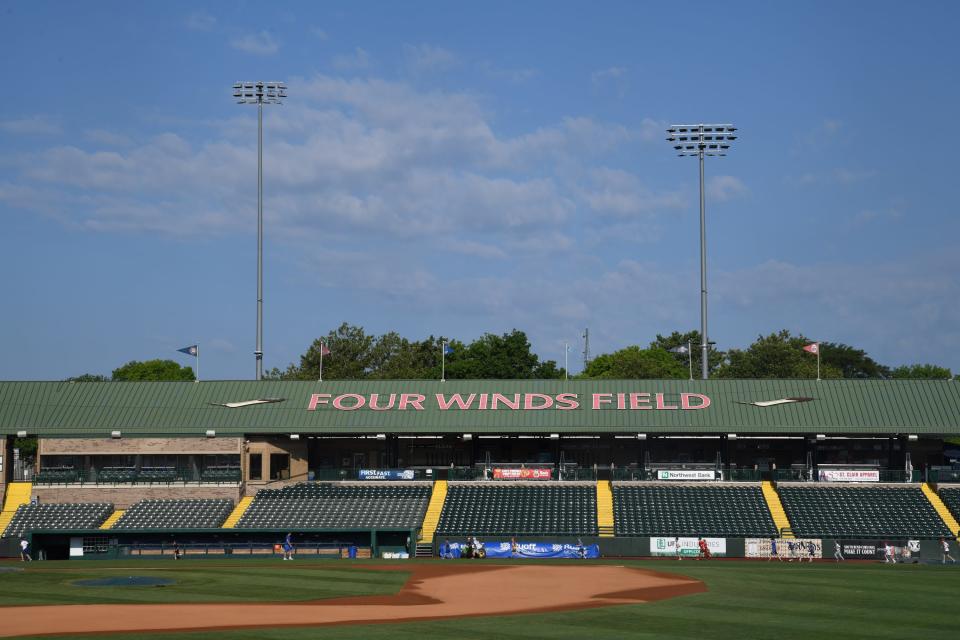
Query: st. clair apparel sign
{"x": 636, "y": 401}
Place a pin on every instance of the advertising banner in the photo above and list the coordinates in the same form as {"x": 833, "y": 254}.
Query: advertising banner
{"x": 385, "y": 474}
{"x": 522, "y": 474}
{"x": 787, "y": 548}
{"x": 527, "y": 550}
{"x": 689, "y": 547}
{"x": 903, "y": 550}
{"x": 849, "y": 475}
{"x": 686, "y": 474}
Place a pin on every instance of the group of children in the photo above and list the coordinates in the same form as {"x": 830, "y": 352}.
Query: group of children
{"x": 799, "y": 550}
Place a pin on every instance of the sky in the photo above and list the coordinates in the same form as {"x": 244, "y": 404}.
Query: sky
{"x": 462, "y": 168}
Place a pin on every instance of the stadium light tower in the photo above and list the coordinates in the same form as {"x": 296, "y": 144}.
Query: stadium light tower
{"x": 259, "y": 93}
{"x": 702, "y": 140}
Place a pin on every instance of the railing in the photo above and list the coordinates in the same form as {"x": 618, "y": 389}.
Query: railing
{"x": 943, "y": 475}
{"x": 334, "y": 549}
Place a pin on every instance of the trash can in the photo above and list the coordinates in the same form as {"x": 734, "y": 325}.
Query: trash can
{"x": 352, "y": 552}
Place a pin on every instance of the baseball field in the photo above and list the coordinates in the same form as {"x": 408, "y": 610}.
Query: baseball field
{"x": 221, "y": 599}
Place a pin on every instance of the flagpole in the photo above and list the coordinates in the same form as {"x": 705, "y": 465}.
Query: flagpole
{"x": 818, "y": 362}
{"x": 443, "y": 361}
{"x": 320, "y": 379}
{"x": 690, "y": 356}
{"x": 566, "y": 356}
{"x": 198, "y": 362}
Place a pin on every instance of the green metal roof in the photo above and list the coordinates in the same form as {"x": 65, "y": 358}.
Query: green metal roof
{"x": 94, "y": 409}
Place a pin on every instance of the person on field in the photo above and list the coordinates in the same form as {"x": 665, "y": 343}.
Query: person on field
{"x": 888, "y": 556}
{"x": 837, "y": 551}
{"x": 704, "y": 549}
{"x": 514, "y": 547}
{"x": 811, "y": 550}
{"x": 676, "y": 547}
{"x": 945, "y": 550}
{"x": 176, "y": 550}
{"x": 288, "y": 547}
{"x": 581, "y": 550}
{"x": 773, "y": 551}
{"x": 25, "y": 551}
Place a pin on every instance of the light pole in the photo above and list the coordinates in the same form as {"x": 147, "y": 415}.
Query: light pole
{"x": 702, "y": 140}
{"x": 259, "y": 93}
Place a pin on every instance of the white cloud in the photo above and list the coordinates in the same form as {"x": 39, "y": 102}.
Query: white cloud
{"x": 619, "y": 193}
{"x": 424, "y": 58}
{"x": 515, "y": 75}
{"x": 200, "y": 21}
{"x": 261, "y": 44}
{"x": 106, "y": 138}
{"x": 723, "y": 188}
{"x": 609, "y": 74}
{"x": 359, "y": 60}
{"x": 32, "y": 125}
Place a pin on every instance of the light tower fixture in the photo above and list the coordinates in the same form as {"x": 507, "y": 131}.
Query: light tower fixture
{"x": 702, "y": 140}
{"x": 259, "y": 93}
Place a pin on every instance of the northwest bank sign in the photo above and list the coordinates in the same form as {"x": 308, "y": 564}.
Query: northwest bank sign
{"x": 637, "y": 401}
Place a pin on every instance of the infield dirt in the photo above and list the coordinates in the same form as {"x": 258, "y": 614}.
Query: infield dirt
{"x": 433, "y": 591}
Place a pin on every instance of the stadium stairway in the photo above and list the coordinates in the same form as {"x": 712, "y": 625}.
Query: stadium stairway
{"x": 18, "y": 493}
{"x": 776, "y": 510}
{"x": 604, "y": 509}
{"x": 941, "y": 509}
{"x": 432, "y": 516}
{"x": 237, "y": 513}
{"x": 112, "y": 520}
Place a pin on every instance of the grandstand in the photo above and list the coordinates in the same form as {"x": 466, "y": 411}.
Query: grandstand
{"x": 615, "y": 462}
{"x": 657, "y": 509}
{"x": 175, "y": 514}
{"x": 844, "y": 512}
{"x": 519, "y": 510}
{"x": 337, "y": 506}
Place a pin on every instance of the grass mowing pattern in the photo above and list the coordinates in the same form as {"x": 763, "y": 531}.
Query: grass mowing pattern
{"x": 196, "y": 581}
{"x": 746, "y": 601}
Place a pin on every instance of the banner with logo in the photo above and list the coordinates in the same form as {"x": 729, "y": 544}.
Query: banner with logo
{"x": 849, "y": 475}
{"x": 686, "y": 474}
{"x": 689, "y": 547}
{"x": 522, "y": 474}
{"x": 385, "y": 474}
{"x": 876, "y": 549}
{"x": 787, "y": 548}
{"x": 527, "y": 550}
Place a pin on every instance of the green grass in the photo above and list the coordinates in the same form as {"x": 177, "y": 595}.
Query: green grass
{"x": 195, "y": 581}
{"x": 746, "y": 601}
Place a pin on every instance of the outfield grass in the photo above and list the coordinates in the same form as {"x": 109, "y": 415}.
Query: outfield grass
{"x": 746, "y": 601}
{"x": 246, "y": 580}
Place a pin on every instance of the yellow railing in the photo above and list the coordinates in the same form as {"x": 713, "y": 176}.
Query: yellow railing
{"x": 237, "y": 513}
{"x": 776, "y": 509}
{"x": 112, "y": 520}
{"x": 941, "y": 509}
{"x": 604, "y": 509}
{"x": 432, "y": 517}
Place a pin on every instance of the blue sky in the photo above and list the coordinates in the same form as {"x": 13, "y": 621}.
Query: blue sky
{"x": 461, "y": 168}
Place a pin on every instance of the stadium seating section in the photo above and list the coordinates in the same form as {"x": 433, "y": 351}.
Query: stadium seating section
{"x": 143, "y": 475}
{"x": 507, "y": 510}
{"x": 36, "y": 517}
{"x": 844, "y": 512}
{"x": 336, "y": 506}
{"x": 662, "y": 510}
{"x": 175, "y": 514}
{"x": 57, "y": 475}
{"x": 951, "y": 498}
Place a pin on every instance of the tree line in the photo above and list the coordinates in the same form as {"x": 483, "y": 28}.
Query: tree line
{"x": 350, "y": 353}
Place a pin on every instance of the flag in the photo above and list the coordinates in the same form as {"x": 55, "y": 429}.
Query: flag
{"x": 447, "y": 349}
{"x": 192, "y": 350}
{"x": 681, "y": 349}
{"x": 813, "y": 348}
{"x": 324, "y": 351}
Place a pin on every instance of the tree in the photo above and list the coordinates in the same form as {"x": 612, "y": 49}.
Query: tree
{"x": 350, "y": 357}
{"x": 779, "y": 355}
{"x": 692, "y": 338}
{"x": 921, "y": 372}
{"x": 88, "y": 377}
{"x": 635, "y": 363}
{"x": 153, "y": 370}
{"x": 852, "y": 363}
{"x": 505, "y": 357}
